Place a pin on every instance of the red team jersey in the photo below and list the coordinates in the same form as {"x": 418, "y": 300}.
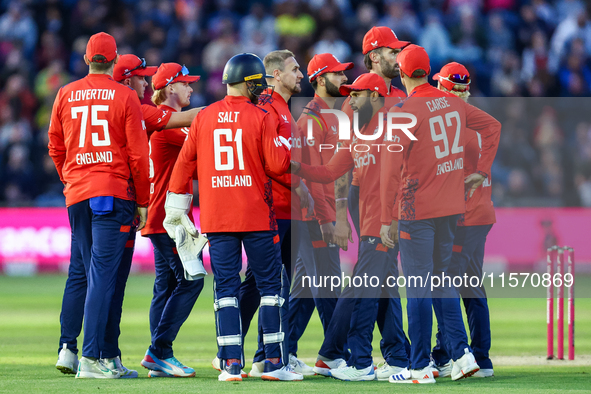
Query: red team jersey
{"x": 282, "y": 186}
{"x": 324, "y": 131}
{"x": 165, "y": 147}
{"x": 432, "y": 179}
{"x": 479, "y": 208}
{"x": 234, "y": 145}
{"x": 98, "y": 142}
{"x": 346, "y": 108}
{"x": 156, "y": 118}
{"x": 364, "y": 157}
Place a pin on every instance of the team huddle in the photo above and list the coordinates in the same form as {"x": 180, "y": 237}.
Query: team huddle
{"x": 412, "y": 171}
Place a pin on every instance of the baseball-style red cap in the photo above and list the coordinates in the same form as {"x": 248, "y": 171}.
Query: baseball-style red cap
{"x": 413, "y": 58}
{"x": 171, "y": 73}
{"x": 381, "y": 36}
{"x": 325, "y": 63}
{"x": 101, "y": 44}
{"x": 367, "y": 81}
{"x": 453, "y": 74}
{"x": 130, "y": 65}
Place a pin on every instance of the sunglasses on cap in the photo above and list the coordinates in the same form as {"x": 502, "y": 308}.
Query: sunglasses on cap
{"x": 311, "y": 77}
{"x": 141, "y": 65}
{"x": 458, "y": 79}
{"x": 184, "y": 71}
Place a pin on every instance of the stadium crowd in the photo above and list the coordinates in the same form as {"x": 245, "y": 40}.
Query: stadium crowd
{"x": 536, "y": 48}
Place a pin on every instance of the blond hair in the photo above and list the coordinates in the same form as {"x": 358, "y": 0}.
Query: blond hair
{"x": 276, "y": 60}
{"x": 159, "y": 96}
{"x": 459, "y": 90}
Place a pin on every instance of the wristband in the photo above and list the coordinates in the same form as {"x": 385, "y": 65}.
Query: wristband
{"x": 341, "y": 199}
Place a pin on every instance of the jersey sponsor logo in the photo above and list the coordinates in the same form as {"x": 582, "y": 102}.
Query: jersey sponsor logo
{"x": 94, "y": 157}
{"x": 364, "y": 160}
{"x": 450, "y": 165}
{"x": 231, "y": 181}
{"x": 228, "y": 117}
{"x": 92, "y": 94}
{"x": 280, "y": 140}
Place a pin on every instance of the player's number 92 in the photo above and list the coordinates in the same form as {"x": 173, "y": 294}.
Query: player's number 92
{"x": 438, "y": 120}
{"x": 227, "y": 150}
{"x": 94, "y": 121}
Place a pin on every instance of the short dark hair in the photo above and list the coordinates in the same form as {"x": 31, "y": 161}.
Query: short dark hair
{"x": 97, "y": 63}
{"x": 367, "y": 60}
{"x": 419, "y": 73}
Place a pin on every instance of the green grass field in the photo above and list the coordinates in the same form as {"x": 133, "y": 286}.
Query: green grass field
{"x": 29, "y": 334}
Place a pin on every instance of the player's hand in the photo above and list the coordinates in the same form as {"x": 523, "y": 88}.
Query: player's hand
{"x": 472, "y": 182}
{"x": 327, "y": 230}
{"x": 142, "y": 213}
{"x": 176, "y": 207}
{"x": 294, "y": 167}
{"x": 343, "y": 234}
{"x": 302, "y": 192}
{"x": 389, "y": 234}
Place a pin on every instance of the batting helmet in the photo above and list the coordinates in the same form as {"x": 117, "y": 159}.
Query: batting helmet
{"x": 249, "y": 68}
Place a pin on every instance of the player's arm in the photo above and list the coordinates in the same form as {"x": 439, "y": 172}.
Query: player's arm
{"x": 342, "y": 228}
{"x": 57, "y": 146}
{"x": 391, "y": 165}
{"x": 183, "y": 118}
{"x": 275, "y": 148}
{"x": 137, "y": 150}
{"x": 338, "y": 165}
{"x": 490, "y": 131}
{"x": 185, "y": 165}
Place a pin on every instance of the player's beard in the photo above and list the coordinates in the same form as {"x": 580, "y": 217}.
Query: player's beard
{"x": 365, "y": 113}
{"x": 332, "y": 89}
{"x": 389, "y": 70}
{"x": 295, "y": 89}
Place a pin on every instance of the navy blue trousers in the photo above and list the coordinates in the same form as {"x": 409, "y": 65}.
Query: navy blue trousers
{"x": 354, "y": 316}
{"x": 72, "y": 312}
{"x": 264, "y": 259}
{"x": 425, "y": 252}
{"x": 468, "y": 258}
{"x": 101, "y": 239}
{"x": 174, "y": 296}
{"x": 316, "y": 260}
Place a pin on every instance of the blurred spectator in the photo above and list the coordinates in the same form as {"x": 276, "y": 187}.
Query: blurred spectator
{"x": 401, "y": 18}
{"x": 331, "y": 43}
{"x": 257, "y": 31}
{"x": 435, "y": 39}
{"x": 294, "y": 22}
{"x": 18, "y": 26}
{"x": 17, "y": 95}
{"x": 19, "y": 178}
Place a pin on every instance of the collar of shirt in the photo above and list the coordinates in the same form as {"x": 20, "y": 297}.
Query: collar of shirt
{"x": 236, "y": 99}
{"x": 425, "y": 89}
{"x": 100, "y": 76}
{"x": 166, "y": 107}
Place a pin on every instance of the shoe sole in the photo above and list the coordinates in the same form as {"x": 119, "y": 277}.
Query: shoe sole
{"x": 361, "y": 379}
{"x": 94, "y": 375}
{"x": 466, "y": 374}
{"x": 66, "y": 370}
{"x": 322, "y": 371}
{"x": 236, "y": 379}
{"x": 275, "y": 379}
{"x": 154, "y": 366}
{"x": 414, "y": 381}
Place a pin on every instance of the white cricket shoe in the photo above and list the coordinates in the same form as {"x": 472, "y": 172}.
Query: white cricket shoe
{"x": 444, "y": 371}
{"x": 115, "y": 364}
{"x": 484, "y": 373}
{"x": 67, "y": 361}
{"x": 464, "y": 366}
{"x": 231, "y": 373}
{"x": 89, "y": 368}
{"x": 385, "y": 371}
{"x": 159, "y": 374}
{"x": 300, "y": 367}
{"x": 416, "y": 376}
{"x": 215, "y": 363}
{"x": 352, "y": 374}
{"x": 257, "y": 370}
{"x": 324, "y": 366}
{"x": 280, "y": 372}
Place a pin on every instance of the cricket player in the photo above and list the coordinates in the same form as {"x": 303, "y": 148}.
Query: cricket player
{"x": 99, "y": 150}
{"x": 431, "y": 200}
{"x": 319, "y": 253}
{"x": 285, "y": 71}
{"x": 473, "y": 227}
{"x": 375, "y": 259}
{"x": 174, "y": 296}
{"x": 233, "y": 145}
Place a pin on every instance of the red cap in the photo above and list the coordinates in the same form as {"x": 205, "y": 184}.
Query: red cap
{"x": 130, "y": 65}
{"x": 101, "y": 44}
{"x": 367, "y": 81}
{"x": 325, "y": 63}
{"x": 171, "y": 73}
{"x": 413, "y": 58}
{"x": 379, "y": 37}
{"x": 453, "y": 74}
